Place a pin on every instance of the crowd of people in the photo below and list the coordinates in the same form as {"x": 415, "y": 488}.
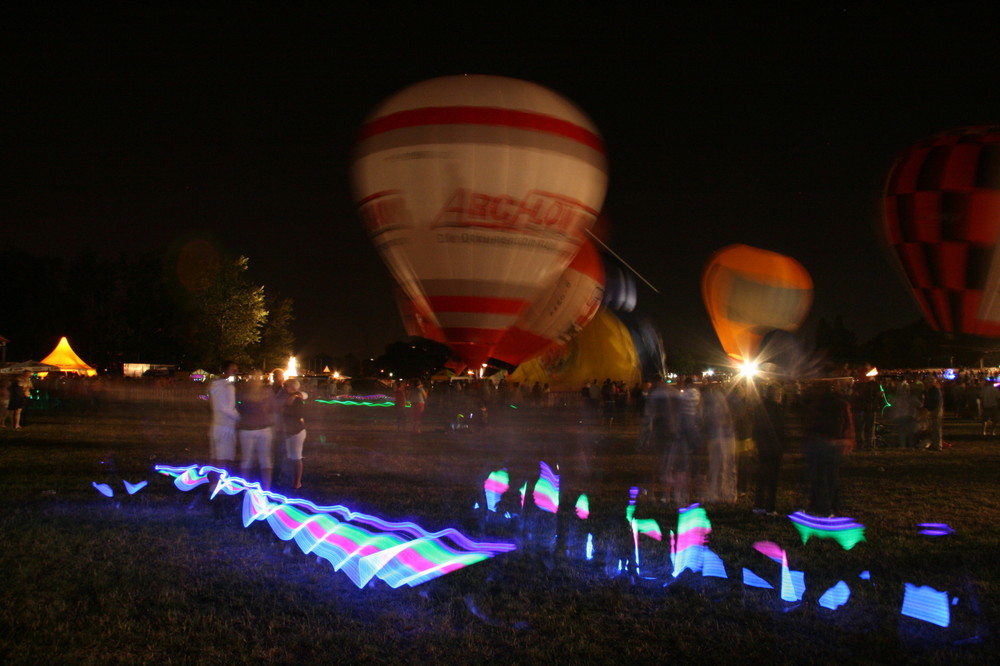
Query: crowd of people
{"x": 713, "y": 441}
{"x": 716, "y": 441}
{"x": 252, "y": 417}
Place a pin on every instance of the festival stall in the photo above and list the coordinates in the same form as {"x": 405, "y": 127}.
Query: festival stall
{"x": 65, "y": 360}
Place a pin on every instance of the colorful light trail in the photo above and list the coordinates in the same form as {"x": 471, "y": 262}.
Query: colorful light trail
{"x": 361, "y": 546}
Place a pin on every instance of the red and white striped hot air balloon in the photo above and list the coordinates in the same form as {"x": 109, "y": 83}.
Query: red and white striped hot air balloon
{"x": 477, "y": 192}
{"x": 560, "y": 314}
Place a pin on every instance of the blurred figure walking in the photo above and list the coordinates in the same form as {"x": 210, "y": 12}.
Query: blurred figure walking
{"x": 418, "y": 400}
{"x": 769, "y": 437}
{"x": 829, "y": 435}
{"x": 222, "y": 398}
{"x": 256, "y": 408}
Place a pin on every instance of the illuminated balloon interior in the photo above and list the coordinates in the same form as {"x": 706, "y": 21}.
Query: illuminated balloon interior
{"x": 750, "y": 292}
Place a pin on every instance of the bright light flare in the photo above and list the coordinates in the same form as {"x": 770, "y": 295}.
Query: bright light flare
{"x": 749, "y": 369}
{"x": 293, "y": 367}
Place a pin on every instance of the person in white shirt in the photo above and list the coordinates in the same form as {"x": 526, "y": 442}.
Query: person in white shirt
{"x": 222, "y": 433}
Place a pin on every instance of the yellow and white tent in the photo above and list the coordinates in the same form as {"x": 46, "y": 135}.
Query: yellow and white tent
{"x": 64, "y": 358}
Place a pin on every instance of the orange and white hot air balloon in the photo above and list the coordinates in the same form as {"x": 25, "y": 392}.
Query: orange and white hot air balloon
{"x": 750, "y": 292}
{"x": 560, "y": 314}
{"x": 477, "y": 192}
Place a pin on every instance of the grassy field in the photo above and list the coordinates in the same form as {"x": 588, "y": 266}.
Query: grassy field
{"x": 150, "y": 577}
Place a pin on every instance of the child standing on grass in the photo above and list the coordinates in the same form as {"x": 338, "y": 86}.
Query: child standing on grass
{"x": 294, "y": 422}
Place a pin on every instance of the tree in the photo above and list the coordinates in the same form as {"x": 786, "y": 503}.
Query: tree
{"x": 682, "y": 362}
{"x": 276, "y": 339}
{"x": 838, "y": 342}
{"x": 418, "y": 357}
{"x": 229, "y": 312}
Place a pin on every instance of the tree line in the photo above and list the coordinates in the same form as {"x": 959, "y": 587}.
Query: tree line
{"x": 191, "y": 310}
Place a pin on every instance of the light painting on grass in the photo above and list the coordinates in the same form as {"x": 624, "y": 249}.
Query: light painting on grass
{"x": 366, "y": 547}
{"x": 546, "y": 493}
{"x": 844, "y": 530}
{"x": 361, "y": 546}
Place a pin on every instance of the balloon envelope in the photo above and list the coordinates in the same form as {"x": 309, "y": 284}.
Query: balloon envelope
{"x": 477, "y": 192}
{"x": 941, "y": 215}
{"x": 749, "y": 292}
{"x": 604, "y": 349}
{"x": 561, "y": 313}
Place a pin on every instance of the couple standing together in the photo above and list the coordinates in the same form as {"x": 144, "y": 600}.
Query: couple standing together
{"x": 262, "y": 415}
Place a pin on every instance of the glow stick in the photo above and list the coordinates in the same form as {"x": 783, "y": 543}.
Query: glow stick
{"x": 133, "y": 488}
{"x": 362, "y": 401}
{"x": 359, "y": 545}
{"x": 844, "y": 531}
{"x": 589, "y": 549}
{"x": 713, "y": 565}
{"x": 524, "y": 492}
{"x": 495, "y": 486}
{"x": 103, "y": 488}
{"x": 792, "y": 582}
{"x": 927, "y": 604}
{"x": 836, "y": 596}
{"x": 648, "y": 527}
{"x": 582, "y": 507}
{"x": 546, "y": 493}
{"x": 793, "y": 585}
{"x": 935, "y": 529}
{"x": 635, "y": 543}
{"x": 693, "y": 528}
{"x": 753, "y": 580}
{"x": 188, "y": 479}
{"x": 769, "y": 549}
{"x": 633, "y": 494}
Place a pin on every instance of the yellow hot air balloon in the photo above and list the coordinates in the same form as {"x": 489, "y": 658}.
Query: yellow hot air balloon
{"x": 750, "y": 292}
{"x": 604, "y": 349}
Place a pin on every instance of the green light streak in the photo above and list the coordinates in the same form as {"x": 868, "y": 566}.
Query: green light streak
{"x": 354, "y": 403}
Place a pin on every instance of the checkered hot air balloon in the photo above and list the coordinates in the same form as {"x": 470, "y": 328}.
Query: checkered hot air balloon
{"x": 477, "y": 192}
{"x": 942, "y": 216}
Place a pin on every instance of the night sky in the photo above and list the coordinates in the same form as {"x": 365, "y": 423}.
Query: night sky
{"x": 132, "y": 132}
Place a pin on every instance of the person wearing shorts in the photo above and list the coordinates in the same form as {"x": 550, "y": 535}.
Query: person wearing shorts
{"x": 255, "y": 408}
{"x": 295, "y": 428}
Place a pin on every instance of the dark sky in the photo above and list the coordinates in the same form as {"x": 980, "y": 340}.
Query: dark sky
{"x": 136, "y": 131}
